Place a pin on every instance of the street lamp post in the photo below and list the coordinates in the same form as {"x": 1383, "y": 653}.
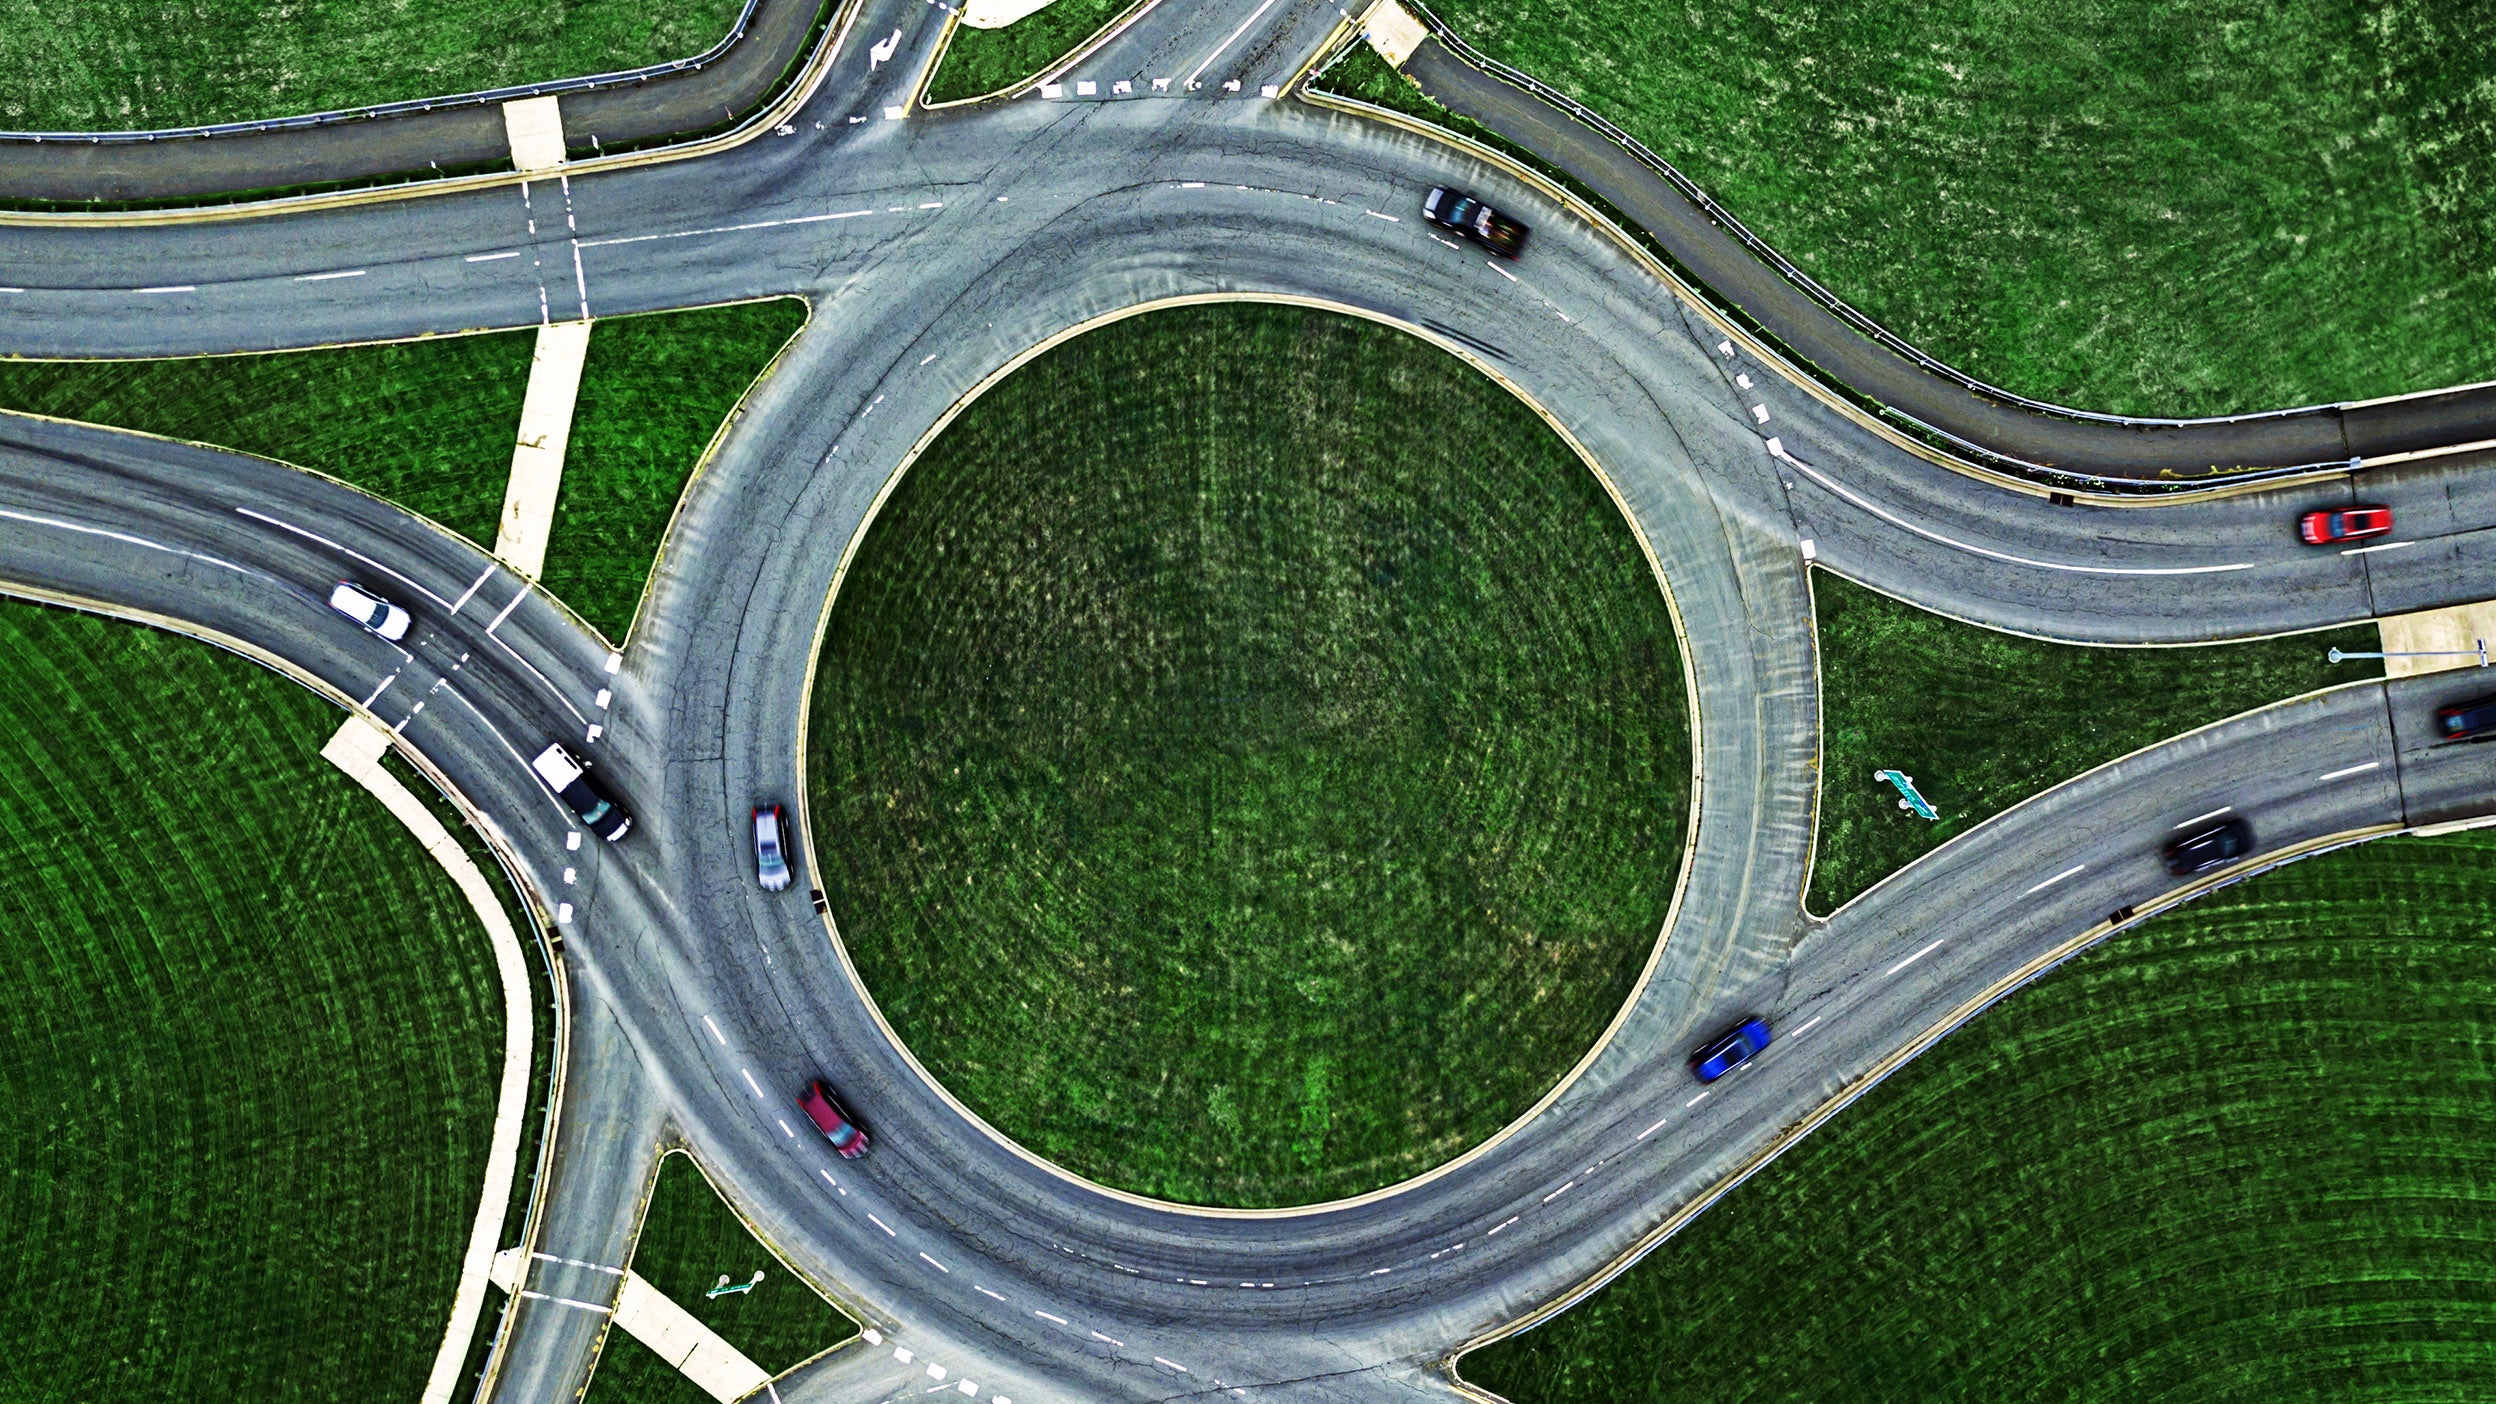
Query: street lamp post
{"x": 2479, "y": 653}
{"x": 723, "y": 1288}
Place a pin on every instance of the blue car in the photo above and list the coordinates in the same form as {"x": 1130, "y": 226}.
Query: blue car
{"x": 1724, "y": 1054}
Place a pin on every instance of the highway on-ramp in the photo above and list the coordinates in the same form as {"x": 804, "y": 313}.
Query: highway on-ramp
{"x": 936, "y": 250}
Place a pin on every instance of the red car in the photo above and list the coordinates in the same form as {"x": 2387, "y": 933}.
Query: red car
{"x": 2347, "y": 524}
{"x": 833, "y": 1122}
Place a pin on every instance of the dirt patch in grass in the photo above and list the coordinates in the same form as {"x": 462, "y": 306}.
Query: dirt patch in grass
{"x": 1231, "y": 792}
{"x": 977, "y": 62}
{"x": 2150, "y": 207}
{"x": 2242, "y": 1152}
{"x": 221, "y": 957}
{"x": 137, "y": 65}
{"x": 1981, "y": 720}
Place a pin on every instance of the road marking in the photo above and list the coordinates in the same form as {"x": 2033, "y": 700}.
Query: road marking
{"x": 577, "y": 275}
{"x": 489, "y": 258}
{"x": 2213, "y": 814}
{"x": 716, "y": 1035}
{"x": 1798, "y": 1033}
{"x": 170, "y": 288}
{"x": 940, "y": 1267}
{"x": 497, "y": 621}
{"x": 2387, "y": 546}
{"x": 1511, "y": 277}
{"x": 784, "y": 1129}
{"x": 1895, "y": 520}
{"x": 879, "y": 1223}
{"x": 325, "y": 277}
{"x": 1760, "y": 413}
{"x": 1046, "y": 1317}
{"x": 1373, "y": 214}
{"x": 750, "y": 1082}
{"x": 1380, "y": 1272}
{"x": 835, "y": 1184}
{"x": 1233, "y": 39}
{"x": 344, "y": 551}
{"x": 1161, "y": 1360}
{"x": 1919, "y": 955}
{"x": 1113, "y": 1340}
{"x": 121, "y": 536}
{"x": 567, "y": 1301}
{"x": 385, "y": 682}
{"x": 2346, "y": 771}
{"x": 2058, "y": 877}
{"x": 1659, "y": 1125}
{"x": 1696, "y": 1100}
{"x": 470, "y": 593}
{"x": 541, "y": 677}
{"x": 1510, "y": 1220}
{"x": 986, "y": 1293}
{"x": 1564, "y": 1189}
{"x": 576, "y": 1262}
{"x": 933, "y": 205}
{"x": 923, "y": 360}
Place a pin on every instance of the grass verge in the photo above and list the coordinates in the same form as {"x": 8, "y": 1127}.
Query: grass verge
{"x": 689, "y": 1240}
{"x": 255, "y": 1037}
{"x": 2242, "y": 1152}
{"x": 129, "y": 65}
{"x": 430, "y": 424}
{"x": 2146, "y": 208}
{"x": 977, "y": 62}
{"x": 1982, "y": 720}
{"x": 1231, "y": 794}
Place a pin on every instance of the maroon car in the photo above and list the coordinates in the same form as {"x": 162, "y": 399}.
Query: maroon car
{"x": 832, "y": 1121}
{"x": 2346, "y": 524}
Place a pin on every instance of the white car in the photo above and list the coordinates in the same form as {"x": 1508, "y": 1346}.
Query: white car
{"x": 371, "y": 611}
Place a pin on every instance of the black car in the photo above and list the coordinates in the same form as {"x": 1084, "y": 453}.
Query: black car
{"x": 2466, "y": 719}
{"x": 570, "y": 781}
{"x": 2210, "y": 846}
{"x": 1459, "y": 213}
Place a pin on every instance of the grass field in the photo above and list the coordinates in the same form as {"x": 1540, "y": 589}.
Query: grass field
{"x": 127, "y": 65}
{"x": 2246, "y": 1151}
{"x": 1230, "y": 794}
{"x": 2149, "y": 207}
{"x": 689, "y": 1239}
{"x": 977, "y": 62}
{"x": 430, "y": 424}
{"x": 1982, "y": 720}
{"x": 254, "y": 1041}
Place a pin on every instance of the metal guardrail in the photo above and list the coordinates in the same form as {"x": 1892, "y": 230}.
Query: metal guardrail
{"x": 1889, "y": 340}
{"x": 488, "y": 97}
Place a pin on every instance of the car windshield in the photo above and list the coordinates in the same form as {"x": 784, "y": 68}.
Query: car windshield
{"x": 596, "y": 812}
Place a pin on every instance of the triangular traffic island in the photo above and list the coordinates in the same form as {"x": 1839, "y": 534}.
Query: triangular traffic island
{"x": 707, "y": 1312}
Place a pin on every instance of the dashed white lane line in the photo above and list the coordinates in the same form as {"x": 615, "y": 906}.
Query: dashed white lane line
{"x": 170, "y": 288}
{"x": 1509, "y": 1220}
{"x": 1511, "y": 277}
{"x": 784, "y": 1129}
{"x": 1164, "y": 1360}
{"x": 750, "y": 1082}
{"x": 1373, "y": 214}
{"x": 1894, "y": 519}
{"x": 2058, "y": 877}
{"x": 879, "y": 1223}
{"x": 1695, "y": 1100}
{"x": 1113, "y": 1340}
{"x": 986, "y": 1293}
{"x": 2346, "y": 771}
{"x": 1807, "y": 1028}
{"x": 2368, "y": 550}
{"x": 325, "y": 277}
{"x": 835, "y": 1184}
{"x": 716, "y": 1036}
{"x": 1919, "y": 955}
{"x": 931, "y": 1262}
{"x": 1659, "y": 1125}
{"x": 344, "y": 551}
{"x": 1564, "y": 1189}
{"x": 1380, "y": 1272}
{"x": 1045, "y": 1316}
{"x": 489, "y": 258}
{"x": 2213, "y": 814}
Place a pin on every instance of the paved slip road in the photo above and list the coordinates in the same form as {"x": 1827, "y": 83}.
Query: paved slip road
{"x": 935, "y": 250}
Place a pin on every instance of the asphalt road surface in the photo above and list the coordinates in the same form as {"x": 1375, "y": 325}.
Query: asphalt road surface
{"x": 935, "y": 249}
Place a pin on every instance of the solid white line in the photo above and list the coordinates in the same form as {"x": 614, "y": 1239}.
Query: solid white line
{"x": 1806, "y": 1028}
{"x": 2058, "y": 877}
{"x": 581, "y": 278}
{"x": 489, "y": 258}
{"x": 715, "y": 1033}
{"x": 344, "y": 551}
{"x": 541, "y": 677}
{"x": 508, "y": 749}
{"x": 750, "y": 1082}
{"x": 119, "y": 536}
{"x": 1825, "y": 481}
{"x": 470, "y": 593}
{"x": 1046, "y": 1317}
{"x": 2387, "y": 546}
{"x": 175, "y": 287}
{"x": 2353, "y": 770}
{"x": 1217, "y": 51}
{"x": 2213, "y": 814}
{"x": 1697, "y": 1099}
{"x": 325, "y": 277}
{"x": 1919, "y": 955}
{"x": 879, "y": 1223}
{"x": 940, "y": 1267}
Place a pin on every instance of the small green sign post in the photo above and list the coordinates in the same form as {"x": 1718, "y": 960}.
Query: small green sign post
{"x": 723, "y": 1288}
{"x": 1907, "y": 796}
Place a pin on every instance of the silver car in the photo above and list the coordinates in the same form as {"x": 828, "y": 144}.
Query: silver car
{"x": 771, "y": 862}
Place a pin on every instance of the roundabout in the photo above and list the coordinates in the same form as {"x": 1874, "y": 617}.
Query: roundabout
{"x": 1247, "y": 759}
